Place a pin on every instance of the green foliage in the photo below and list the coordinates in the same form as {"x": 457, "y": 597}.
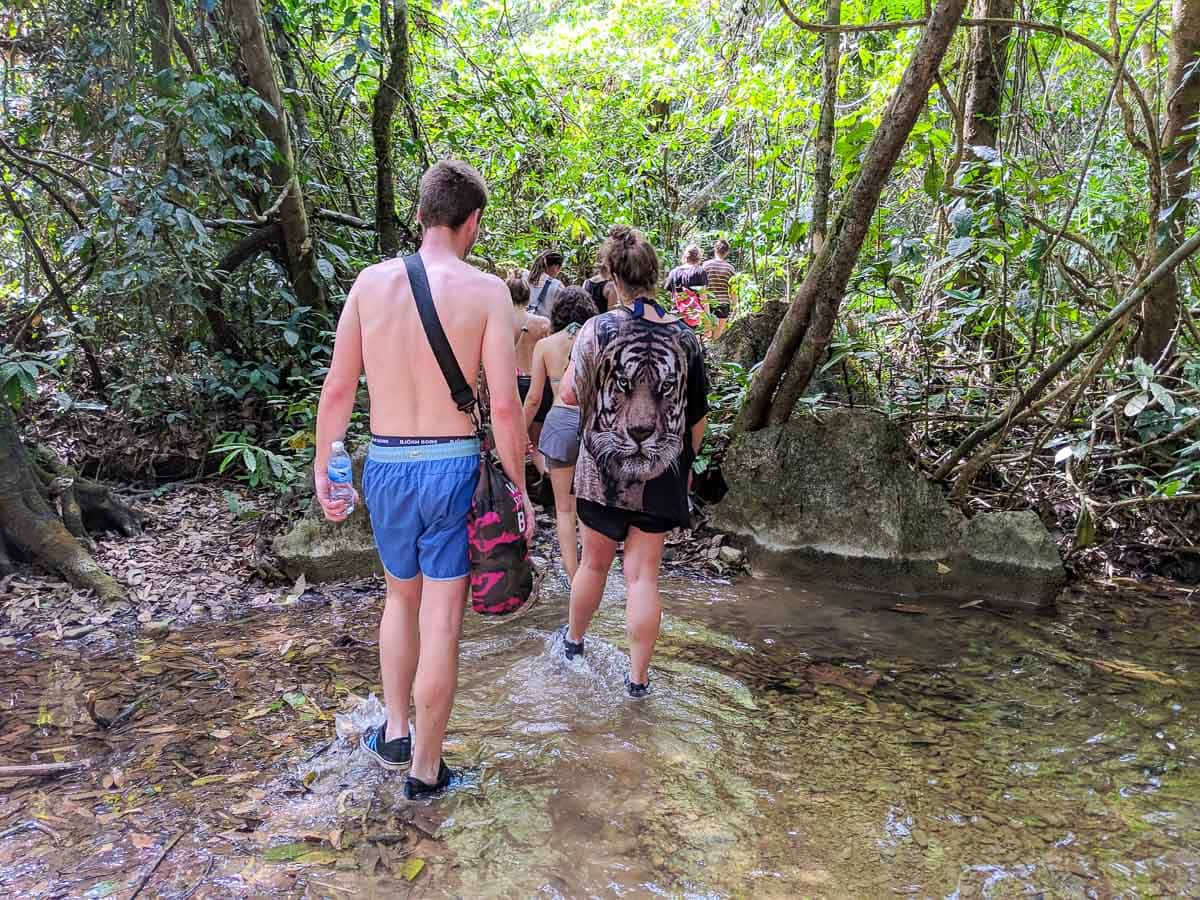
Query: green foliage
{"x": 19, "y": 374}
{"x": 255, "y": 465}
{"x": 727, "y": 390}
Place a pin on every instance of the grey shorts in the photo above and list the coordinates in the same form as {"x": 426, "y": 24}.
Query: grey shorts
{"x": 559, "y": 442}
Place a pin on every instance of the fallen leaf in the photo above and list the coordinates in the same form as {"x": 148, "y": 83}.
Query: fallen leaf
{"x": 221, "y": 733}
{"x": 319, "y": 858}
{"x": 287, "y": 852}
{"x": 142, "y": 841}
{"x": 412, "y": 868}
{"x": 910, "y": 608}
{"x": 1126, "y": 669}
{"x": 943, "y": 569}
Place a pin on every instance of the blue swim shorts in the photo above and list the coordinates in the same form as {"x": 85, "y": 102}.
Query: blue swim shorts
{"x": 418, "y": 492}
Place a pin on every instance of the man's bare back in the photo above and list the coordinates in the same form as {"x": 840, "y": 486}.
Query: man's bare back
{"x": 409, "y": 396}
{"x": 528, "y": 329}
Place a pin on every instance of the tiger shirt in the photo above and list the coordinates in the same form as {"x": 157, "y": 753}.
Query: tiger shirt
{"x": 641, "y": 386}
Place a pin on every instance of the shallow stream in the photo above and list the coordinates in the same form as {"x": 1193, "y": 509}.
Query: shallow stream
{"x": 797, "y": 742}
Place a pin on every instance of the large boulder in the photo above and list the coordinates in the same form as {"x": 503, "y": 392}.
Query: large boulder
{"x": 326, "y": 551}
{"x": 836, "y": 495}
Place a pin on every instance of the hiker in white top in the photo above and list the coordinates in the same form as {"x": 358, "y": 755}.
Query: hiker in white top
{"x": 543, "y": 282}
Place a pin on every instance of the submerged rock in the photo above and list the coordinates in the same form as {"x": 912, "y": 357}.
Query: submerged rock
{"x": 328, "y": 551}
{"x": 837, "y": 495}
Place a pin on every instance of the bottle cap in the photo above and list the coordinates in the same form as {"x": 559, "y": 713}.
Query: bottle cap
{"x": 338, "y": 446}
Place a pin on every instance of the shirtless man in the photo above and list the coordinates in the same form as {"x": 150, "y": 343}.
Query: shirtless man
{"x": 528, "y": 329}
{"x": 423, "y": 463}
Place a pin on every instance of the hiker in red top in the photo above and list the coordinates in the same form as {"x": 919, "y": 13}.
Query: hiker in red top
{"x": 424, "y": 458}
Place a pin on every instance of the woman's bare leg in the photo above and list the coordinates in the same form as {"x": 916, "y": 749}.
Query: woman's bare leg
{"x": 643, "y": 607}
{"x": 588, "y": 586}
{"x": 564, "y": 517}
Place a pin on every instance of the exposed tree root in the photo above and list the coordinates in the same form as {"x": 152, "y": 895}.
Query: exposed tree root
{"x": 46, "y": 512}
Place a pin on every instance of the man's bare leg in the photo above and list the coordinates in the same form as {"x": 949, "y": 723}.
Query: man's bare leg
{"x": 441, "y": 612}
{"x": 643, "y": 607}
{"x": 564, "y": 516}
{"x": 587, "y": 588}
{"x": 399, "y": 646}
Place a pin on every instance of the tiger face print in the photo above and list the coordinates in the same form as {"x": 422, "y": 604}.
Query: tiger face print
{"x": 638, "y": 427}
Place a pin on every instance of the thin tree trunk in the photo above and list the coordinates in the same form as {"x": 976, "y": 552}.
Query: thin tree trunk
{"x": 1160, "y": 311}
{"x": 820, "y": 294}
{"x": 56, "y": 289}
{"x": 987, "y": 70}
{"x": 393, "y": 89}
{"x": 295, "y": 96}
{"x": 246, "y": 18}
{"x": 823, "y": 176}
{"x": 161, "y": 24}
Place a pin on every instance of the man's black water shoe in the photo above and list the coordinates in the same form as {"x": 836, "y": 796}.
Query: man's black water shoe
{"x": 416, "y": 789}
{"x": 394, "y": 754}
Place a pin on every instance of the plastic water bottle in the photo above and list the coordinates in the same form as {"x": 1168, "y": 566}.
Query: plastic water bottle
{"x": 341, "y": 476}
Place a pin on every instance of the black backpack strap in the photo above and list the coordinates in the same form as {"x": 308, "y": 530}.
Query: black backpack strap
{"x": 464, "y": 397}
{"x": 537, "y": 304}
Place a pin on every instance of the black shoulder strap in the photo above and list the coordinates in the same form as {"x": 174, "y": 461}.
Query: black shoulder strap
{"x": 537, "y": 304}
{"x": 464, "y": 397}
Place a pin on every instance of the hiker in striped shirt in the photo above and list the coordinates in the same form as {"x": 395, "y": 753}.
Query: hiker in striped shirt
{"x": 719, "y": 272}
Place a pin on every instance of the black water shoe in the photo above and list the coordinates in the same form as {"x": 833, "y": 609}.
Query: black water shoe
{"x": 394, "y": 754}
{"x": 416, "y": 789}
{"x": 571, "y": 649}
{"x": 635, "y": 690}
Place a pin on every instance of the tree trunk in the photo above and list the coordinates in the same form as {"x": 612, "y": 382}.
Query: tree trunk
{"x": 823, "y": 176}
{"x": 987, "y": 69}
{"x": 1160, "y": 311}
{"x": 295, "y": 95}
{"x": 161, "y": 26}
{"x": 33, "y": 529}
{"x": 246, "y": 18}
{"x": 821, "y": 292}
{"x": 393, "y": 88}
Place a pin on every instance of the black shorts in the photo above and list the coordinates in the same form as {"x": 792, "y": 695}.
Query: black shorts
{"x": 615, "y": 523}
{"x": 721, "y": 310}
{"x": 524, "y": 382}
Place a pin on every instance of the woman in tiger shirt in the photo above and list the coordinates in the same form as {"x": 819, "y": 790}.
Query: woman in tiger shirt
{"x": 637, "y": 375}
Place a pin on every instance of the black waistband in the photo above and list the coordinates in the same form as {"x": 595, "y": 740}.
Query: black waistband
{"x": 383, "y": 440}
